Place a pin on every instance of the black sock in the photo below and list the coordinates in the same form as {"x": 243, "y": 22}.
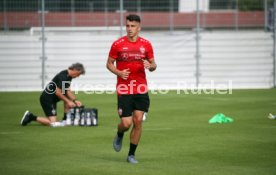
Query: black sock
{"x": 132, "y": 149}
{"x": 64, "y": 116}
{"x": 33, "y": 117}
{"x": 120, "y": 134}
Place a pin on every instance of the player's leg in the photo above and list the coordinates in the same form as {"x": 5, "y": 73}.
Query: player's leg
{"x": 135, "y": 135}
{"x": 141, "y": 105}
{"x": 125, "y": 124}
{"x": 125, "y": 113}
{"x": 29, "y": 117}
{"x": 46, "y": 120}
{"x": 136, "y": 131}
{"x": 49, "y": 107}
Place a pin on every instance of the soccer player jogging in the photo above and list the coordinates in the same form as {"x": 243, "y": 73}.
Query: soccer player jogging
{"x": 58, "y": 89}
{"x": 132, "y": 54}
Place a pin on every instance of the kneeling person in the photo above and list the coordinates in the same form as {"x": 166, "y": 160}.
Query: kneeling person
{"x": 58, "y": 89}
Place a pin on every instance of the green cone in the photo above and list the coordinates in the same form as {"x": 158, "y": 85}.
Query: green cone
{"x": 220, "y": 118}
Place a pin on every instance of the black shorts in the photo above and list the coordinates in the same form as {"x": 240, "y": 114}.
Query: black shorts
{"x": 128, "y": 103}
{"x": 48, "y": 105}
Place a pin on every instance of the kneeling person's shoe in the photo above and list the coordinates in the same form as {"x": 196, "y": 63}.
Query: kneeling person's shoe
{"x": 26, "y": 118}
{"x": 131, "y": 159}
{"x": 270, "y": 116}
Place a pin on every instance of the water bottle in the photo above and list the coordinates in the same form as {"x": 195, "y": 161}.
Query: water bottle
{"x": 88, "y": 119}
{"x": 68, "y": 118}
{"x": 82, "y": 120}
{"x": 77, "y": 117}
{"x": 72, "y": 116}
{"x": 94, "y": 119}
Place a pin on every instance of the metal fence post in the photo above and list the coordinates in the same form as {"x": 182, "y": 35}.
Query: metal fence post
{"x": 43, "y": 58}
{"x": 237, "y": 16}
{"x": 73, "y": 13}
{"x": 121, "y": 17}
{"x": 106, "y": 21}
{"x": 197, "y": 42}
{"x": 171, "y": 16}
{"x": 139, "y": 7}
{"x": 5, "y": 16}
{"x": 265, "y": 16}
{"x": 274, "y": 44}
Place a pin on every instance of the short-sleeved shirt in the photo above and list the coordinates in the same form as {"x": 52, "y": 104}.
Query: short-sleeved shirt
{"x": 130, "y": 55}
{"x": 62, "y": 80}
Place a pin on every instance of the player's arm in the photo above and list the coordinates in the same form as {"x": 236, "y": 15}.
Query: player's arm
{"x": 112, "y": 68}
{"x": 72, "y": 97}
{"x": 64, "y": 98}
{"x": 150, "y": 64}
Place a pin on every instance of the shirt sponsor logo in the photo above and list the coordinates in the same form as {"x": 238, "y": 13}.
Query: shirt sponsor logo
{"x": 124, "y": 56}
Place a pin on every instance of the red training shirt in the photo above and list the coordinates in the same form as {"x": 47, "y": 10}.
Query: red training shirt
{"x": 130, "y": 55}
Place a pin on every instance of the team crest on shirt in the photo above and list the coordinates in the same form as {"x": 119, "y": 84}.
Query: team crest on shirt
{"x": 142, "y": 50}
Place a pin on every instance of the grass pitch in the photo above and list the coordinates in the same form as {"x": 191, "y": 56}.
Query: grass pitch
{"x": 176, "y": 139}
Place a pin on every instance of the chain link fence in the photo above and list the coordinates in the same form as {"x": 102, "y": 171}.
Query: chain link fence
{"x": 157, "y": 14}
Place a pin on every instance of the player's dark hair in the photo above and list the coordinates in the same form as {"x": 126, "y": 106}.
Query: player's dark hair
{"x": 78, "y": 67}
{"x": 133, "y": 17}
